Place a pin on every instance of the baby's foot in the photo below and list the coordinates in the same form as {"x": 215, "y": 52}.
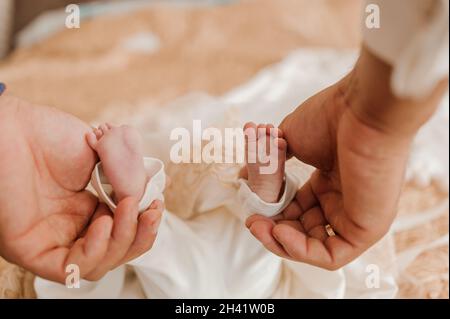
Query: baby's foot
{"x": 265, "y": 178}
{"x": 120, "y": 150}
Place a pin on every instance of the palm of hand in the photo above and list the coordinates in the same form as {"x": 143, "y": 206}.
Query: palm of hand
{"x": 357, "y": 166}
{"x": 43, "y": 170}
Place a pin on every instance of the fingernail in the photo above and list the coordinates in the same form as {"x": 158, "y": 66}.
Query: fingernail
{"x": 155, "y": 227}
{"x": 157, "y": 204}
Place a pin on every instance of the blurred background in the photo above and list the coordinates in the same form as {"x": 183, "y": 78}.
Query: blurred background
{"x": 133, "y": 54}
{"x": 176, "y": 46}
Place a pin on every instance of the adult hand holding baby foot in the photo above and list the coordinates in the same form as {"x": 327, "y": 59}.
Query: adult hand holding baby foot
{"x": 47, "y": 219}
{"x": 358, "y": 135}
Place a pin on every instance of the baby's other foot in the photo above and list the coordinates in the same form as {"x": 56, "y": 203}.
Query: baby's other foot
{"x": 120, "y": 150}
{"x": 266, "y": 157}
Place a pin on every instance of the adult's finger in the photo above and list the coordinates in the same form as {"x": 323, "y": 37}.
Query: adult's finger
{"x": 331, "y": 254}
{"x": 253, "y": 218}
{"x": 122, "y": 236}
{"x": 303, "y": 201}
{"x": 89, "y": 251}
{"x": 147, "y": 230}
{"x": 305, "y": 197}
{"x": 314, "y": 145}
{"x": 291, "y": 212}
{"x": 296, "y": 224}
{"x": 313, "y": 218}
{"x": 85, "y": 253}
{"x": 261, "y": 228}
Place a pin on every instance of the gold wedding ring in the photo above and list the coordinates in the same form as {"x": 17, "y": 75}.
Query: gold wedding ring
{"x": 329, "y": 230}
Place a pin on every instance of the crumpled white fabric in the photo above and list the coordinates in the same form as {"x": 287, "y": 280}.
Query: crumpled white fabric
{"x": 251, "y": 203}
{"x": 153, "y": 190}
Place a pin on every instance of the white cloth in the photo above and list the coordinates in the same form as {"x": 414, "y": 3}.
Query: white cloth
{"x": 251, "y": 203}
{"x": 153, "y": 190}
{"x": 413, "y": 37}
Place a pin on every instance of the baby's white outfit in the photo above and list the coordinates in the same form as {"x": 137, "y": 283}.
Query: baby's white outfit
{"x": 174, "y": 266}
{"x": 252, "y": 204}
{"x": 153, "y": 190}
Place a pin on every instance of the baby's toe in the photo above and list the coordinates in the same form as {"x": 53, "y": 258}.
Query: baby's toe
{"x": 262, "y": 129}
{"x": 92, "y": 139}
{"x": 274, "y": 132}
{"x": 269, "y": 129}
{"x": 104, "y": 128}
{"x": 281, "y": 144}
{"x": 249, "y": 125}
{"x": 250, "y": 131}
{"x": 98, "y": 133}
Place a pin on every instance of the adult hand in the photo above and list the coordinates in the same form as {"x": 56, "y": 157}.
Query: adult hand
{"x": 358, "y": 137}
{"x": 47, "y": 218}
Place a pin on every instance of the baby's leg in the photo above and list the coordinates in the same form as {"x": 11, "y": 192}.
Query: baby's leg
{"x": 120, "y": 150}
{"x": 260, "y": 139}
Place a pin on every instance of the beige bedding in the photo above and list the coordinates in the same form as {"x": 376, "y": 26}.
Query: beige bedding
{"x": 214, "y": 49}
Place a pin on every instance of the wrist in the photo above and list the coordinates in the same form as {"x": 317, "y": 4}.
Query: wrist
{"x": 367, "y": 91}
